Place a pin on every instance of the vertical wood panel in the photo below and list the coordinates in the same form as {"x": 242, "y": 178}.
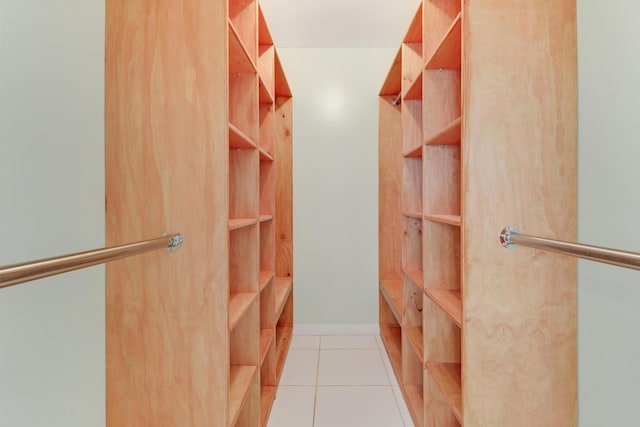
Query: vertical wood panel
{"x": 284, "y": 187}
{"x": 166, "y": 170}
{"x": 519, "y": 168}
{"x": 390, "y": 190}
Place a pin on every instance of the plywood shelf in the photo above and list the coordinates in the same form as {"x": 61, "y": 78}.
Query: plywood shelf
{"x": 283, "y": 288}
{"x": 449, "y": 301}
{"x": 448, "y": 53}
{"x": 240, "y": 381}
{"x": 392, "y": 340}
{"x": 267, "y": 396}
{"x": 238, "y": 139}
{"x": 265, "y": 218}
{"x": 416, "y": 276}
{"x": 266, "y": 339}
{"x": 264, "y": 94}
{"x": 392, "y": 291}
{"x": 455, "y": 220}
{"x": 393, "y": 83}
{"x": 416, "y": 215}
{"x": 238, "y": 305}
{"x": 239, "y": 59}
{"x": 414, "y": 397}
{"x": 448, "y": 378}
{"x": 265, "y": 278}
{"x": 415, "y": 90}
{"x": 450, "y": 134}
{"x": 281, "y": 83}
{"x": 237, "y": 223}
{"x": 415, "y": 152}
{"x": 416, "y": 339}
{"x": 283, "y": 340}
{"x": 265, "y": 156}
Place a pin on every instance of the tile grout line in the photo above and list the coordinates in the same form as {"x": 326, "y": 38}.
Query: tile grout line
{"x": 315, "y": 390}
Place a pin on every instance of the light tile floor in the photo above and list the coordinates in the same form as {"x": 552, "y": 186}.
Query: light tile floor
{"x": 336, "y": 381}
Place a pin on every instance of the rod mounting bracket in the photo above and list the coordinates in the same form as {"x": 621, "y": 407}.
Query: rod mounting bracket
{"x": 505, "y": 237}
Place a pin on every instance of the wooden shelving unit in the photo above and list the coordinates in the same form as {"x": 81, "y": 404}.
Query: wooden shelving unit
{"x": 200, "y": 339}
{"x": 468, "y": 142}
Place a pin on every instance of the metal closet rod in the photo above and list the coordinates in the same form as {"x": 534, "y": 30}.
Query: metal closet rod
{"x": 19, "y": 273}
{"x": 510, "y": 237}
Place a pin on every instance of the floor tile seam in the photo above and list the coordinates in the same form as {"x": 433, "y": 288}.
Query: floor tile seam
{"x": 315, "y": 390}
{"x": 399, "y": 404}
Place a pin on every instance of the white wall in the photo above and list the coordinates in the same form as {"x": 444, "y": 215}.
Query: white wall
{"x": 52, "y": 202}
{"x": 609, "y": 210}
{"x": 335, "y": 193}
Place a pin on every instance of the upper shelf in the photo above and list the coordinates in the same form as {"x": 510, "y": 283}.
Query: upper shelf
{"x": 414, "y": 33}
{"x": 282, "y": 86}
{"x": 264, "y": 35}
{"x": 239, "y": 59}
{"x": 393, "y": 83}
{"x": 449, "y": 135}
{"x": 448, "y": 53}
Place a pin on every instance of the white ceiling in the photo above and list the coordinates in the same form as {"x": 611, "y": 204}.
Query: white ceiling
{"x": 338, "y": 23}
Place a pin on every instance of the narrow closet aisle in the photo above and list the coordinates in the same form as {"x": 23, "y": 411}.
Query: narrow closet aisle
{"x": 334, "y": 381}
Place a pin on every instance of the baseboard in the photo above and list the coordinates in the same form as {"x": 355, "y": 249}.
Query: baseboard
{"x": 373, "y": 329}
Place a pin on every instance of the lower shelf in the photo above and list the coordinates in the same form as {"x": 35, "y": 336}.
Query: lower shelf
{"x": 449, "y": 301}
{"x": 414, "y": 334}
{"x": 392, "y": 291}
{"x": 448, "y": 378}
{"x": 283, "y": 339}
{"x": 241, "y": 379}
{"x": 415, "y": 402}
{"x": 267, "y": 395}
{"x": 392, "y": 340}
{"x": 266, "y": 337}
{"x": 283, "y": 287}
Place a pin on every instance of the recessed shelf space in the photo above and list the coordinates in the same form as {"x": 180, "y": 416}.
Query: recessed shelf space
{"x": 447, "y": 376}
{"x": 412, "y": 244}
{"x": 393, "y": 83}
{"x": 441, "y": 256}
{"x": 412, "y": 64}
{"x": 412, "y": 186}
{"x": 267, "y": 246}
{"x": 244, "y": 358}
{"x": 442, "y": 101}
{"x": 448, "y": 53}
{"x": 240, "y": 60}
{"x": 239, "y": 303}
{"x": 243, "y": 265}
{"x": 243, "y": 17}
{"x": 449, "y": 301}
{"x": 416, "y": 277}
{"x": 282, "y": 85}
{"x": 267, "y": 189}
{"x": 450, "y": 134}
{"x": 238, "y": 139}
{"x": 243, "y": 103}
{"x": 267, "y": 337}
{"x": 438, "y": 18}
{"x": 267, "y": 129}
{"x": 442, "y": 179}
{"x": 242, "y": 381}
{"x": 412, "y": 317}
{"x": 266, "y": 69}
{"x": 412, "y": 380}
{"x": 391, "y": 290}
{"x": 411, "y": 127}
{"x": 283, "y": 286}
{"x": 243, "y": 187}
{"x": 441, "y": 335}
